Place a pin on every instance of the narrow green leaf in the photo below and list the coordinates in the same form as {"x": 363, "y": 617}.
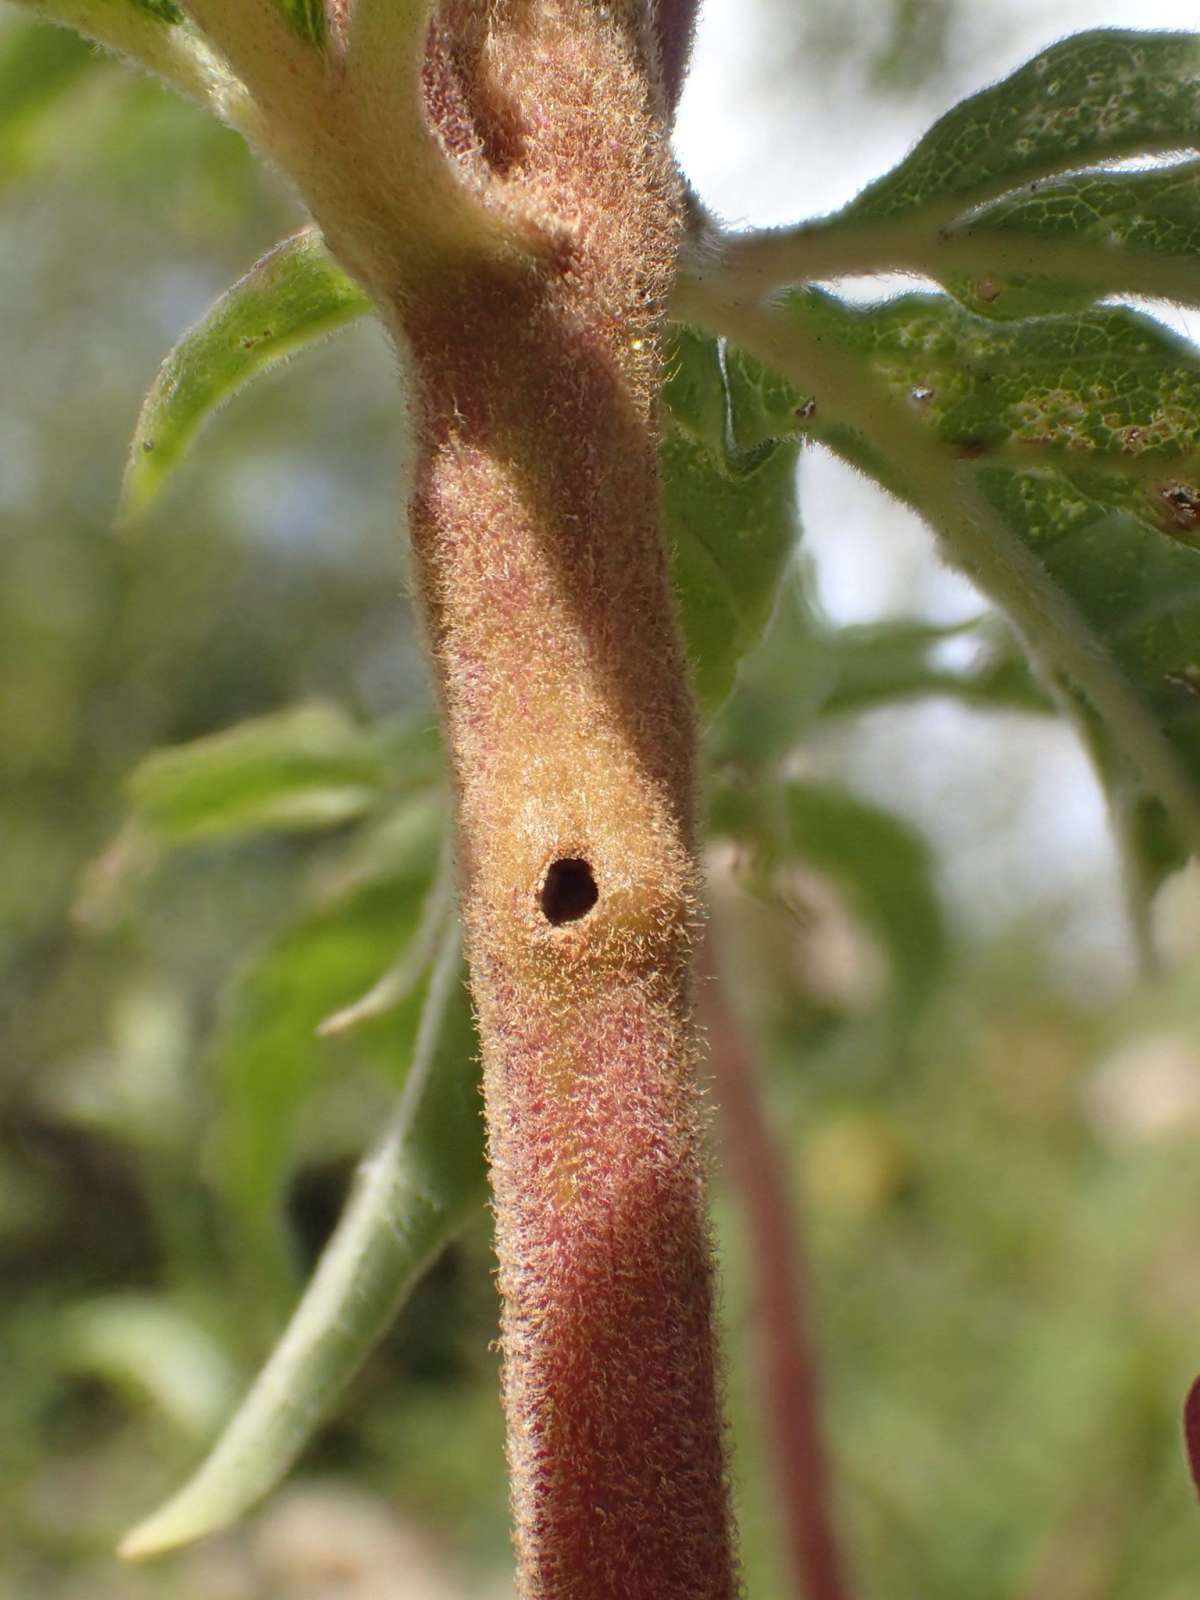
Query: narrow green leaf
{"x": 414, "y": 1192}
{"x": 730, "y": 516}
{"x": 267, "y": 1050}
{"x": 308, "y": 767}
{"x": 153, "y": 1350}
{"x": 308, "y": 18}
{"x": 292, "y": 297}
{"x": 1087, "y": 99}
{"x": 401, "y": 979}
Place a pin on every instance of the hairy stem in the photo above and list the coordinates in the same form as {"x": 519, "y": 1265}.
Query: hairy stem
{"x": 790, "y": 1367}
{"x": 539, "y": 558}
{"x": 674, "y": 25}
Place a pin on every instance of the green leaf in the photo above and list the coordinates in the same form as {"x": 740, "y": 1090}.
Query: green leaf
{"x": 887, "y": 871}
{"x": 880, "y": 663}
{"x": 995, "y": 202}
{"x": 1082, "y": 433}
{"x": 1087, "y": 99}
{"x": 308, "y": 767}
{"x": 308, "y": 18}
{"x": 1058, "y": 459}
{"x": 1057, "y": 246}
{"x": 149, "y": 32}
{"x": 292, "y": 297}
{"x": 267, "y": 1050}
{"x": 164, "y": 10}
{"x": 730, "y": 517}
{"x": 422, "y": 1184}
{"x": 38, "y": 66}
{"x": 153, "y": 1350}
{"x": 1108, "y": 390}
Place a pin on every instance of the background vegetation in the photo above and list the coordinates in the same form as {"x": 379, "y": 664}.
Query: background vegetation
{"x": 989, "y": 1123}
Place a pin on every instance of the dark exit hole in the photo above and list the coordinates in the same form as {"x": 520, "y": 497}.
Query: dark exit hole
{"x": 569, "y": 891}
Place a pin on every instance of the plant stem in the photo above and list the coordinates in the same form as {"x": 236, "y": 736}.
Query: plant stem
{"x": 1191, "y": 1432}
{"x": 674, "y": 25}
{"x": 569, "y": 723}
{"x": 791, "y": 1383}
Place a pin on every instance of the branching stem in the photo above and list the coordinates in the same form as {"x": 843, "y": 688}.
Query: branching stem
{"x": 935, "y": 244}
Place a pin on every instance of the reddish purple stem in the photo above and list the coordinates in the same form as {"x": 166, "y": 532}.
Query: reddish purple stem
{"x": 674, "y": 25}
{"x": 790, "y": 1369}
{"x": 1191, "y": 1431}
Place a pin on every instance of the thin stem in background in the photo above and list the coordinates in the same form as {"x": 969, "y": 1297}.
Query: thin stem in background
{"x": 674, "y": 27}
{"x": 1191, "y": 1431}
{"x": 791, "y": 1384}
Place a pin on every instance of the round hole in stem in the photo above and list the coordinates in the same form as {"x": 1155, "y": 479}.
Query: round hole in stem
{"x": 569, "y": 890}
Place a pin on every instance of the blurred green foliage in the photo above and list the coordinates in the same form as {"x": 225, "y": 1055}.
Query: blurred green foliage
{"x": 1001, "y": 1209}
